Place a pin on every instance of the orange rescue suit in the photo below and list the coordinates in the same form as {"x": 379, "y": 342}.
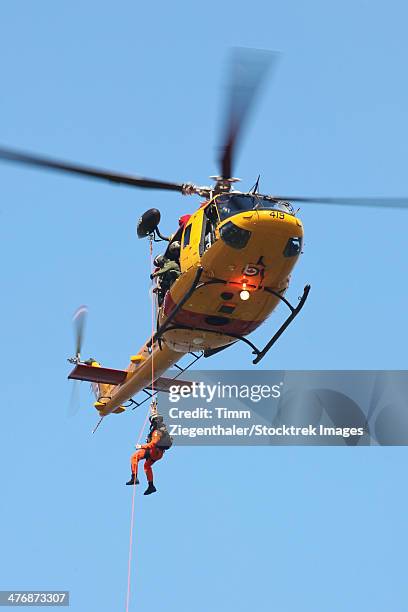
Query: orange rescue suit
{"x": 151, "y": 453}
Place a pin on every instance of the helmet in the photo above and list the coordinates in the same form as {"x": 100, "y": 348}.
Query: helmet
{"x": 184, "y": 220}
{"x": 174, "y": 248}
{"x": 159, "y": 261}
{"x": 156, "y": 420}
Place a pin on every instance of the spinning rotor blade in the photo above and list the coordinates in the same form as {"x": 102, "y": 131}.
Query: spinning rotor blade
{"x": 74, "y": 400}
{"x": 79, "y": 320}
{"x": 367, "y": 202}
{"x": 76, "y": 397}
{"x": 248, "y": 70}
{"x": 31, "y": 159}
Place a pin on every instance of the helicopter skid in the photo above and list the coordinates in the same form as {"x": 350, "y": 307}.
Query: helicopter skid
{"x": 220, "y": 341}
{"x": 294, "y": 312}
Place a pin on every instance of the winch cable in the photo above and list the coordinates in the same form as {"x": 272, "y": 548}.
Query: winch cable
{"x": 132, "y": 516}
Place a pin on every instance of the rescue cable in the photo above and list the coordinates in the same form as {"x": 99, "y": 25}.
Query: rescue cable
{"x": 132, "y": 516}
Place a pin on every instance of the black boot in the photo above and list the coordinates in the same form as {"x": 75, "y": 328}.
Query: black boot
{"x": 133, "y": 480}
{"x": 150, "y": 489}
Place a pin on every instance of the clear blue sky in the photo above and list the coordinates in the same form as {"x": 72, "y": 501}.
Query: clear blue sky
{"x": 137, "y": 87}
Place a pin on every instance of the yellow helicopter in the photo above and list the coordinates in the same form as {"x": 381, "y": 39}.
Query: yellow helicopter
{"x": 235, "y": 254}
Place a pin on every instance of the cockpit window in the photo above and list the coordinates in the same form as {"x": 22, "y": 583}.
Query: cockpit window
{"x": 187, "y": 234}
{"x": 293, "y": 247}
{"x": 233, "y": 204}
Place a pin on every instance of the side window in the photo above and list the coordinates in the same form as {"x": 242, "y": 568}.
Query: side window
{"x": 206, "y": 236}
{"x": 293, "y": 247}
{"x": 187, "y": 234}
{"x": 210, "y": 221}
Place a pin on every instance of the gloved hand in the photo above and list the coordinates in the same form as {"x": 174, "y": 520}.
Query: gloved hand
{"x": 151, "y": 276}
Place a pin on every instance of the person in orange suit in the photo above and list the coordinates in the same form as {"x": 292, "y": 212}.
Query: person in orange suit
{"x": 158, "y": 441}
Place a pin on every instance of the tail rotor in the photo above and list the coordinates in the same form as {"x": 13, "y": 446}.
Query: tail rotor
{"x": 79, "y": 322}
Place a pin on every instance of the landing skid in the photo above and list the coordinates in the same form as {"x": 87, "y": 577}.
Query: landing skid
{"x": 294, "y": 312}
{"x": 260, "y": 354}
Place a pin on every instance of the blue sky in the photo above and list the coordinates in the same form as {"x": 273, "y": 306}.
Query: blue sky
{"x": 138, "y": 88}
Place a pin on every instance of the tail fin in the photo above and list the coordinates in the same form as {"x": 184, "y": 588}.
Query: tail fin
{"x": 101, "y": 379}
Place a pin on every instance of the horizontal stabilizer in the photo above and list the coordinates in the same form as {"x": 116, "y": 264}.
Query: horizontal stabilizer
{"x": 98, "y": 375}
{"x": 164, "y": 384}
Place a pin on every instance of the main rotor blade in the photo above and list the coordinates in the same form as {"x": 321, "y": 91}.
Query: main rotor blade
{"x": 79, "y": 320}
{"x": 248, "y": 69}
{"x": 367, "y": 202}
{"x": 31, "y": 159}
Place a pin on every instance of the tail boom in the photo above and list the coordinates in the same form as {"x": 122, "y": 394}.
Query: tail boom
{"x": 140, "y": 372}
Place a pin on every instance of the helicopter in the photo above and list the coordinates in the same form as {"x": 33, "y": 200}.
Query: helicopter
{"x": 235, "y": 254}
